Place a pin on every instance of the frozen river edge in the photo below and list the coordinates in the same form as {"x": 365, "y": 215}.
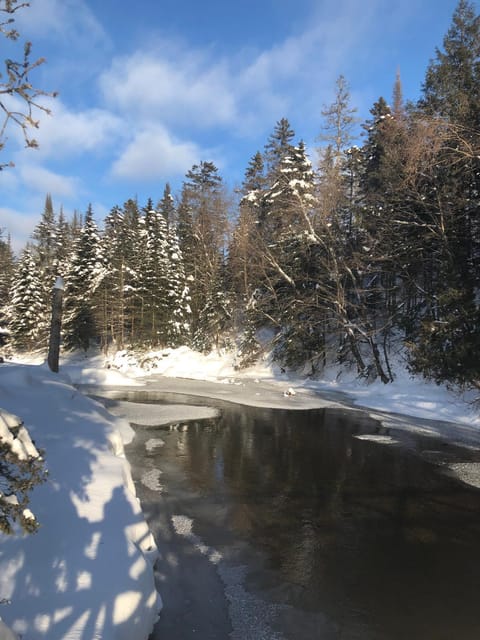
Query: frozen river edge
{"x": 278, "y": 395}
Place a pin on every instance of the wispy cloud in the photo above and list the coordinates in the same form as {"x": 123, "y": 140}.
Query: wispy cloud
{"x": 68, "y": 132}
{"x": 70, "y": 21}
{"x": 40, "y": 179}
{"x": 189, "y": 89}
{"x": 19, "y": 224}
{"x": 153, "y": 154}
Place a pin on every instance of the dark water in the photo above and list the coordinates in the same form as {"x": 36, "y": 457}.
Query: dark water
{"x": 335, "y": 537}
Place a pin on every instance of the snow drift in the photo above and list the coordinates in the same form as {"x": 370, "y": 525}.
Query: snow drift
{"x": 88, "y": 572}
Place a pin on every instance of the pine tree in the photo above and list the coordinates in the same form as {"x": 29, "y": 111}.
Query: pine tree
{"x": 278, "y": 146}
{"x": 449, "y": 331}
{"x": 178, "y": 296}
{"x": 155, "y": 277}
{"x": 202, "y": 227}
{"x": 82, "y": 282}
{"x": 111, "y": 298}
{"x": 26, "y": 311}
{"x": 45, "y": 236}
{"x": 7, "y": 266}
{"x": 452, "y": 83}
{"x": 166, "y": 206}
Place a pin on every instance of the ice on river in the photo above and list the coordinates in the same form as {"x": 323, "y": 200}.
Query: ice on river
{"x": 152, "y": 415}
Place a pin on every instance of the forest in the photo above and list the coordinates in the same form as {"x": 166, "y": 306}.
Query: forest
{"x": 365, "y": 249}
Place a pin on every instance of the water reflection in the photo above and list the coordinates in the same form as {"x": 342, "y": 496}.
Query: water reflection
{"x": 370, "y": 535}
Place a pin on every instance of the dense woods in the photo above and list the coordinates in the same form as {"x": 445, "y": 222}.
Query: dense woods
{"x": 347, "y": 253}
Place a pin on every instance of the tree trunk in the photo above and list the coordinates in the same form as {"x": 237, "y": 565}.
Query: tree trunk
{"x": 55, "y": 326}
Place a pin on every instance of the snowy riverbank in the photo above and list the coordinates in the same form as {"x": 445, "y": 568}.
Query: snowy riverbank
{"x": 88, "y": 572}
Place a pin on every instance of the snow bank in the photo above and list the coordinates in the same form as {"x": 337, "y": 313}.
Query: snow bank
{"x": 407, "y": 395}
{"x": 88, "y": 572}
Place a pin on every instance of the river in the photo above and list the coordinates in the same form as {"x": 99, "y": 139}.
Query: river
{"x": 322, "y": 523}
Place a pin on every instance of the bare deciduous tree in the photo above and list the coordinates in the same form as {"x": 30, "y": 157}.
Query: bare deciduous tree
{"x": 19, "y": 99}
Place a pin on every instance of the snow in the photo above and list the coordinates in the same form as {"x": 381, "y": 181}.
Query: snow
{"x": 407, "y": 395}
{"x": 88, "y": 572}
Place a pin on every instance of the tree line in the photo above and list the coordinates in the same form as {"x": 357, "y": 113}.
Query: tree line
{"x": 374, "y": 251}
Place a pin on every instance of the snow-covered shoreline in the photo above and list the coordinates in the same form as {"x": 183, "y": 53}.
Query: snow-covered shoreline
{"x": 88, "y": 571}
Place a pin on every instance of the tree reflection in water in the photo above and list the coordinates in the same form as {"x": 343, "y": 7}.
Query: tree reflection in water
{"x": 371, "y": 535}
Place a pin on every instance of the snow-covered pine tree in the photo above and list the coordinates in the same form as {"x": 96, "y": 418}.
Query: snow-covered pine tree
{"x": 166, "y": 206}
{"x": 45, "y": 247}
{"x": 179, "y": 311}
{"x": 85, "y": 274}
{"x": 63, "y": 245}
{"x": 155, "y": 279}
{"x": 7, "y": 266}
{"x": 21, "y": 468}
{"x": 216, "y": 314}
{"x": 277, "y": 147}
{"x": 204, "y": 206}
{"x": 243, "y": 258}
{"x": 26, "y": 311}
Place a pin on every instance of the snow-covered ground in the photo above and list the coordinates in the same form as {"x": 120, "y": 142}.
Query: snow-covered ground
{"x": 407, "y": 395}
{"x": 88, "y": 572}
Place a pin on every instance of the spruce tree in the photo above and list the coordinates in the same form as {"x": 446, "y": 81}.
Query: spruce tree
{"x": 452, "y": 82}
{"x": 26, "y": 311}
{"x": 166, "y": 206}
{"x": 45, "y": 236}
{"x": 83, "y": 279}
{"x": 202, "y": 227}
{"x": 155, "y": 278}
{"x": 7, "y": 266}
{"x": 277, "y": 147}
{"x": 178, "y": 294}
{"x": 449, "y": 331}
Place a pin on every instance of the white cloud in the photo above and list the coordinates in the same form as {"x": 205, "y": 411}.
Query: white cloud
{"x": 69, "y": 20}
{"x": 19, "y": 225}
{"x": 154, "y": 153}
{"x": 42, "y": 180}
{"x": 69, "y": 133}
{"x": 187, "y": 89}
{"x": 200, "y": 89}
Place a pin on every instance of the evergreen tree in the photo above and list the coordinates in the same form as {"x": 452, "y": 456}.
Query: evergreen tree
{"x": 84, "y": 277}
{"x": 62, "y": 246}
{"x": 111, "y": 298}
{"x": 166, "y": 206}
{"x": 448, "y": 332}
{"x": 45, "y": 236}
{"x": 26, "y": 311}
{"x": 179, "y": 311}
{"x": 277, "y": 147}
{"x": 452, "y": 83}
{"x": 202, "y": 228}
{"x": 7, "y": 266}
{"x": 185, "y": 232}
{"x": 244, "y": 259}
{"x": 155, "y": 278}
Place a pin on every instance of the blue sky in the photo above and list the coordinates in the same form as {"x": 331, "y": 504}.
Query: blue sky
{"x": 147, "y": 89}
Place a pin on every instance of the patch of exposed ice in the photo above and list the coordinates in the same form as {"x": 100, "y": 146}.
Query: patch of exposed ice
{"x": 183, "y": 527}
{"x": 373, "y": 437}
{"x": 151, "y": 415}
{"x": 151, "y": 480}
{"x": 154, "y": 443}
{"x": 467, "y": 472}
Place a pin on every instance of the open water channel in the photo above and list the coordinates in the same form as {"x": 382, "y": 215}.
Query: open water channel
{"x": 308, "y": 524}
